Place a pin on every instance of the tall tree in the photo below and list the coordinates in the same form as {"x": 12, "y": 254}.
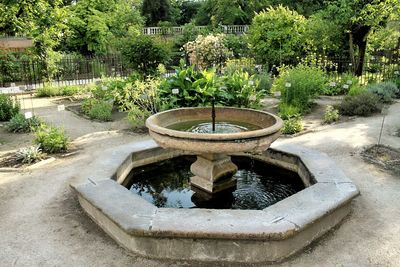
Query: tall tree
{"x": 276, "y": 35}
{"x": 358, "y": 18}
{"x": 95, "y": 24}
{"x": 155, "y": 11}
{"x": 41, "y": 19}
{"x": 229, "y": 12}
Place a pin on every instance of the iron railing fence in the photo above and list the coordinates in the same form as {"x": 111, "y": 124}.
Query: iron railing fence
{"x": 69, "y": 70}
{"x": 228, "y": 29}
{"x": 80, "y": 70}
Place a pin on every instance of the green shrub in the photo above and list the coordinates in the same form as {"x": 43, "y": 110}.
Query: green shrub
{"x": 356, "y": 90}
{"x": 49, "y": 91}
{"x": 264, "y": 81}
{"x": 343, "y": 85}
{"x": 70, "y": 90}
{"x": 331, "y": 114}
{"x": 240, "y": 64}
{"x": 300, "y": 85}
{"x": 29, "y": 154}
{"x": 288, "y": 111}
{"x": 141, "y": 93}
{"x": 241, "y": 90}
{"x": 19, "y": 124}
{"x": 363, "y": 104}
{"x": 50, "y": 139}
{"x": 145, "y": 53}
{"x": 137, "y": 117}
{"x": 237, "y": 44}
{"x": 292, "y": 125}
{"x": 8, "y": 107}
{"x": 276, "y": 35}
{"x": 386, "y": 91}
{"x": 108, "y": 87}
{"x": 97, "y": 109}
{"x": 87, "y": 105}
{"x": 397, "y": 82}
{"x": 189, "y": 88}
{"x": 101, "y": 110}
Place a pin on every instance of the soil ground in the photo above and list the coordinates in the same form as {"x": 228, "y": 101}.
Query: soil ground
{"x": 42, "y": 223}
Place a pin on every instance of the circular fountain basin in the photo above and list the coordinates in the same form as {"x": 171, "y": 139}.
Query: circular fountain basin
{"x": 242, "y": 130}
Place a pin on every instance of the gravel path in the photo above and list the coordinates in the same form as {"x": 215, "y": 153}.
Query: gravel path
{"x": 42, "y": 223}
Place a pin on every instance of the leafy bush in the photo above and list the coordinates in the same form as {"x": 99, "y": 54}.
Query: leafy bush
{"x": 189, "y": 88}
{"x": 19, "y": 124}
{"x": 207, "y": 51}
{"x": 331, "y": 114}
{"x": 70, "y": 90}
{"x": 237, "y": 44}
{"x": 145, "y": 53}
{"x": 49, "y": 91}
{"x": 241, "y": 90}
{"x": 141, "y": 93}
{"x": 288, "y": 111}
{"x": 355, "y": 90}
{"x": 343, "y": 85}
{"x": 97, "y": 109}
{"x": 240, "y": 64}
{"x": 264, "y": 81}
{"x": 8, "y": 107}
{"x": 29, "y": 154}
{"x": 50, "y": 139}
{"x": 386, "y": 91}
{"x": 141, "y": 99}
{"x": 300, "y": 85}
{"x": 276, "y": 35}
{"x": 108, "y": 88}
{"x": 397, "y": 82}
{"x": 137, "y": 117}
{"x": 363, "y": 104}
{"x": 292, "y": 125}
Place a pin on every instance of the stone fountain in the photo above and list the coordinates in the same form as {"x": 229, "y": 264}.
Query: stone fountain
{"x": 213, "y": 170}
{"x": 232, "y": 235}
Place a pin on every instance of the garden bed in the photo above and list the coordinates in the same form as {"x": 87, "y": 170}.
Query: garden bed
{"x": 76, "y": 108}
{"x": 10, "y": 161}
{"x": 383, "y": 156}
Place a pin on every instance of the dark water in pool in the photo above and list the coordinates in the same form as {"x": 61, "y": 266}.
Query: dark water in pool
{"x": 259, "y": 185}
{"x": 204, "y": 126}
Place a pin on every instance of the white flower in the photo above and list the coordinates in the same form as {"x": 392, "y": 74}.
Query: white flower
{"x": 288, "y": 85}
{"x": 175, "y": 91}
{"x": 349, "y": 82}
{"x": 332, "y": 84}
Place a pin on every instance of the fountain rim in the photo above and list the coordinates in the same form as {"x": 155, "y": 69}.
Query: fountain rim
{"x": 154, "y": 127}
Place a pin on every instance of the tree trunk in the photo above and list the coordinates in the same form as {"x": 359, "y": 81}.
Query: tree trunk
{"x": 351, "y": 51}
{"x": 358, "y": 37}
{"x": 362, "y": 46}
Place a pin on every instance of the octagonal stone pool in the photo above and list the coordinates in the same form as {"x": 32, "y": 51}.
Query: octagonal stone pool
{"x": 269, "y": 234}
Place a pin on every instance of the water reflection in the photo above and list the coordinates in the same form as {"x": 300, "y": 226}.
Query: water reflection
{"x": 167, "y": 184}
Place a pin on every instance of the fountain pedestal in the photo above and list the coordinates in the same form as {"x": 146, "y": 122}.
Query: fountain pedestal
{"x": 213, "y": 172}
